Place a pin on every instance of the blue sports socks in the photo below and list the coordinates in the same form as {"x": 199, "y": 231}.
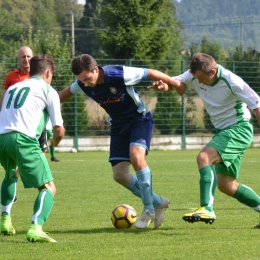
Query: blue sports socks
{"x": 134, "y": 188}
{"x": 144, "y": 177}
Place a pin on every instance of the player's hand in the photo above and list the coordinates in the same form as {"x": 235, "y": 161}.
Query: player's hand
{"x": 51, "y": 140}
{"x": 159, "y": 86}
{"x": 56, "y": 144}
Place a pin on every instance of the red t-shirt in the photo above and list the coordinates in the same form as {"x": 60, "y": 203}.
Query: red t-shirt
{"x": 15, "y": 76}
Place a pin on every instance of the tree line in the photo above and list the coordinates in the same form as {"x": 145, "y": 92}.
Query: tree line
{"x": 140, "y": 31}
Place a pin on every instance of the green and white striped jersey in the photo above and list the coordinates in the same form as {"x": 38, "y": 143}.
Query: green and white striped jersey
{"x": 27, "y": 107}
{"x": 227, "y": 100}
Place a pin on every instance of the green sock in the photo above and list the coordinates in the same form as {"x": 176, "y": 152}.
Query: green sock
{"x": 8, "y": 192}
{"x": 208, "y": 184}
{"x": 52, "y": 151}
{"x": 248, "y": 197}
{"x": 42, "y": 207}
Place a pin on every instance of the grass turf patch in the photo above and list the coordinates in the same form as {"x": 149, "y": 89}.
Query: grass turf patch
{"x": 86, "y": 195}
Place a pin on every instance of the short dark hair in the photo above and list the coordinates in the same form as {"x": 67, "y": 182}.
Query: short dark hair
{"x": 83, "y": 62}
{"x": 203, "y": 62}
{"x": 40, "y": 63}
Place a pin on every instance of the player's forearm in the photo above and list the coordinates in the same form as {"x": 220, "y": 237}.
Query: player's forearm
{"x": 58, "y": 134}
{"x": 178, "y": 86}
{"x": 65, "y": 94}
{"x": 164, "y": 87}
{"x": 170, "y": 83}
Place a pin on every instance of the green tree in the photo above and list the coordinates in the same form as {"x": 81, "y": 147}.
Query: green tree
{"x": 9, "y": 33}
{"x": 214, "y": 49}
{"x": 43, "y": 16}
{"x": 21, "y": 11}
{"x": 63, "y": 10}
{"x": 47, "y": 15}
{"x": 246, "y": 65}
{"x": 194, "y": 48}
{"x": 86, "y": 37}
{"x": 140, "y": 30}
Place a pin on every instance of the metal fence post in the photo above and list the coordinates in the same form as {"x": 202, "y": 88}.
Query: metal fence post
{"x": 183, "y": 137}
{"x": 233, "y": 67}
{"x": 75, "y": 139}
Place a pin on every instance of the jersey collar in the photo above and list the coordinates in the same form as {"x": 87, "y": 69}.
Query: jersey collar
{"x": 219, "y": 73}
{"x": 36, "y": 77}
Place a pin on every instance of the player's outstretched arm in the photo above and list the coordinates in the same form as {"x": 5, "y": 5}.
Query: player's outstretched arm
{"x": 165, "y": 82}
{"x": 163, "y": 87}
{"x": 65, "y": 94}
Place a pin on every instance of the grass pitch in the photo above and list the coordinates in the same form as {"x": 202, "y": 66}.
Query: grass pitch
{"x": 86, "y": 195}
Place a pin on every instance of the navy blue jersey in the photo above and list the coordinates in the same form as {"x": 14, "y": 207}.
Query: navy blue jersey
{"x": 120, "y": 101}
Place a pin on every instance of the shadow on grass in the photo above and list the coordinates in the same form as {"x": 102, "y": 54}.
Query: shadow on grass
{"x": 91, "y": 231}
{"x": 108, "y": 231}
{"x": 215, "y": 208}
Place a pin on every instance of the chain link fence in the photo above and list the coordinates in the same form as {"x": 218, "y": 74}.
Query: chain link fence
{"x": 172, "y": 114}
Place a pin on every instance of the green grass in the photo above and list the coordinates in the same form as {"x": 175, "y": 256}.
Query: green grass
{"x": 86, "y": 195}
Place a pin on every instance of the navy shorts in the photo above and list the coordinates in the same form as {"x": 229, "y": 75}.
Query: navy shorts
{"x": 135, "y": 131}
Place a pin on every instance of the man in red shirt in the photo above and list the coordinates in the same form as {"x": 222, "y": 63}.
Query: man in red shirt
{"x": 22, "y": 72}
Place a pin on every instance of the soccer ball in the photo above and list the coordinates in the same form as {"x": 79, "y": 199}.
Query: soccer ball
{"x": 123, "y": 216}
{"x": 73, "y": 150}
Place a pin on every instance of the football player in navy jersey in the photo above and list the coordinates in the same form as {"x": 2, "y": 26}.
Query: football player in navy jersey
{"x": 112, "y": 88}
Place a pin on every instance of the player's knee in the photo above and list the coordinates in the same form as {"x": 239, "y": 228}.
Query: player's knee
{"x": 202, "y": 157}
{"x": 138, "y": 161}
{"x": 49, "y": 186}
{"x": 53, "y": 190}
{"x": 121, "y": 173}
{"x": 137, "y": 156}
